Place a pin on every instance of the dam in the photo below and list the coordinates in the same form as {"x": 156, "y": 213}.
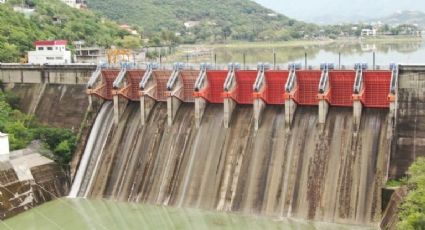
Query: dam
{"x": 304, "y": 143}
{"x": 289, "y": 142}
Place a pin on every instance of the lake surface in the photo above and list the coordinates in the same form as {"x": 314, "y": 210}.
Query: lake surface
{"x": 411, "y": 51}
{"x": 102, "y": 214}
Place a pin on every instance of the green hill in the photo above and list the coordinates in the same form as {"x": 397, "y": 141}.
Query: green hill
{"x": 51, "y": 19}
{"x": 212, "y": 20}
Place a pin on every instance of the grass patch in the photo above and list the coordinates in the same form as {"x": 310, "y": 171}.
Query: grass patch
{"x": 395, "y": 183}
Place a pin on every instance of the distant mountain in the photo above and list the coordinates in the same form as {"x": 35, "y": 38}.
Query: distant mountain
{"x": 339, "y": 18}
{"x": 405, "y": 17}
{"x": 201, "y": 19}
{"x": 339, "y": 11}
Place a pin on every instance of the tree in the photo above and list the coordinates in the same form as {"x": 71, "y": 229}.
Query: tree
{"x": 131, "y": 42}
{"x": 8, "y": 52}
{"x": 412, "y": 210}
{"x": 23, "y": 129}
{"x": 63, "y": 151}
{"x": 156, "y": 41}
{"x": 227, "y": 31}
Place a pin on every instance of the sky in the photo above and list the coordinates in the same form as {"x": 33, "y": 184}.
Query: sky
{"x": 336, "y": 11}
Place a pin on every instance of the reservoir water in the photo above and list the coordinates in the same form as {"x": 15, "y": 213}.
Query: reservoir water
{"x": 402, "y": 51}
{"x": 83, "y": 214}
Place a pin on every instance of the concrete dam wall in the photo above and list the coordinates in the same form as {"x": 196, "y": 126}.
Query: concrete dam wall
{"x": 55, "y": 94}
{"x": 321, "y": 172}
{"x": 55, "y": 105}
{"x": 409, "y": 135}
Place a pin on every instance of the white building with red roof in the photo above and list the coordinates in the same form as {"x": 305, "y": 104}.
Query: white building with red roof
{"x": 50, "y": 52}
{"x": 4, "y": 147}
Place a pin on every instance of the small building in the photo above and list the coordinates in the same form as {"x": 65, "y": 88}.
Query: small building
{"x": 27, "y": 12}
{"x": 368, "y": 32}
{"x": 191, "y": 24}
{"x": 78, "y": 4}
{"x": 90, "y": 54}
{"x": 56, "y": 20}
{"x": 4, "y": 147}
{"x": 50, "y": 52}
{"x": 129, "y": 29}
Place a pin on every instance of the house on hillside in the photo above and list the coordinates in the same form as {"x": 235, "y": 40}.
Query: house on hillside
{"x": 191, "y": 24}
{"x": 78, "y": 4}
{"x": 89, "y": 54}
{"x": 368, "y": 32}
{"x": 50, "y": 52}
{"x": 129, "y": 29}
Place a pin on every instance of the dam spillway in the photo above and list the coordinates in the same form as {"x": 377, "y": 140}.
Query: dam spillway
{"x": 296, "y": 150}
{"x": 305, "y": 172}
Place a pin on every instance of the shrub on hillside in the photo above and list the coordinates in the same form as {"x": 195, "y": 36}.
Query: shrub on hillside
{"x": 23, "y": 129}
{"x": 412, "y": 210}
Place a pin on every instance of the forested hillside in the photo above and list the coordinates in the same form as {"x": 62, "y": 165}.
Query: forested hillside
{"x": 212, "y": 20}
{"x": 51, "y": 19}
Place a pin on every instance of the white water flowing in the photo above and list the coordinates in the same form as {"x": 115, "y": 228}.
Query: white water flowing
{"x": 99, "y": 124}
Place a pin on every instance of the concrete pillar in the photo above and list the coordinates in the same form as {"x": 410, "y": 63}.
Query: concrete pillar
{"x": 229, "y": 106}
{"x": 357, "y": 114}
{"x": 259, "y": 106}
{"x": 116, "y": 109}
{"x": 146, "y": 105}
{"x": 90, "y": 108}
{"x": 323, "y": 111}
{"x": 4, "y": 147}
{"x": 391, "y": 119}
{"x": 200, "y": 105}
{"x": 173, "y": 104}
{"x": 393, "y": 109}
{"x": 290, "y": 108}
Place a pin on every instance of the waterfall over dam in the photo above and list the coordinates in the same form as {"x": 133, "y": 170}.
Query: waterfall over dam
{"x": 93, "y": 150}
{"x": 322, "y": 172}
